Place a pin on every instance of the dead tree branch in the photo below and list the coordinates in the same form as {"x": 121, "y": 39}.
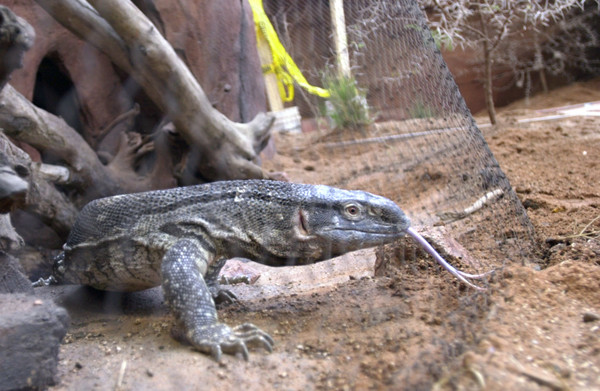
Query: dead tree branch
{"x": 41, "y": 198}
{"x": 224, "y": 149}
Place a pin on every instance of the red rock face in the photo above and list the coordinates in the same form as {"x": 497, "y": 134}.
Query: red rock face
{"x": 215, "y": 39}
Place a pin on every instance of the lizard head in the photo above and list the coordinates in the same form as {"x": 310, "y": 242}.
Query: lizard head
{"x": 291, "y": 224}
{"x": 345, "y": 220}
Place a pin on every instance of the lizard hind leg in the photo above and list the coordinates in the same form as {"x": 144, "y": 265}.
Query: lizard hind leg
{"x": 220, "y": 295}
{"x": 190, "y": 300}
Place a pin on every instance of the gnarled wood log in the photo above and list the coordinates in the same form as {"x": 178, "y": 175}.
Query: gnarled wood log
{"x": 23, "y": 121}
{"x": 21, "y": 183}
{"x": 41, "y": 198}
{"x": 222, "y": 148}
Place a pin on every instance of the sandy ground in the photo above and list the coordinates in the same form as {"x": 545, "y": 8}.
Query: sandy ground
{"x": 404, "y": 329}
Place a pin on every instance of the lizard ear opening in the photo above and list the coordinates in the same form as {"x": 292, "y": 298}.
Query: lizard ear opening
{"x": 302, "y": 226}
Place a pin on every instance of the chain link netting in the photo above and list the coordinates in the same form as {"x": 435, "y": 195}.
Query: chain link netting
{"x": 424, "y": 149}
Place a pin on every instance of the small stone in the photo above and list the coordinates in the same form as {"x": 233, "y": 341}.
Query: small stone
{"x": 542, "y": 377}
{"x": 531, "y": 204}
{"x": 469, "y": 358}
{"x": 30, "y": 336}
{"x": 590, "y": 317}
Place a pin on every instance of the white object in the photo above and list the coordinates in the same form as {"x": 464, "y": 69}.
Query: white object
{"x": 287, "y": 120}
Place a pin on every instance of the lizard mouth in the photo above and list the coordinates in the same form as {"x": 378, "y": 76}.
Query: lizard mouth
{"x": 387, "y": 231}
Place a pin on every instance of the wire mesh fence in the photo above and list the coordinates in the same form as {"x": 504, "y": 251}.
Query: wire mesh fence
{"x": 424, "y": 149}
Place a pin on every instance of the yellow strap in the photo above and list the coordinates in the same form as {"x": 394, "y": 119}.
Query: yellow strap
{"x": 283, "y": 66}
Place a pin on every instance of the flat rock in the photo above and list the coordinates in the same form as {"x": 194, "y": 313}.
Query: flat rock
{"x": 31, "y": 330}
{"x": 268, "y": 282}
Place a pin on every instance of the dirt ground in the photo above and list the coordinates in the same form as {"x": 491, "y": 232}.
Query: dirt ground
{"x": 337, "y": 327}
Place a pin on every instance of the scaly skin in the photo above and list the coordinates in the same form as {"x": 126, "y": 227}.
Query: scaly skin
{"x": 180, "y": 237}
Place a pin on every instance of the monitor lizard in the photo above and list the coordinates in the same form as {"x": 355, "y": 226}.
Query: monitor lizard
{"x": 180, "y": 238}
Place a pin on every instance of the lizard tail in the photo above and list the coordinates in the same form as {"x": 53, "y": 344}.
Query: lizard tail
{"x": 57, "y": 272}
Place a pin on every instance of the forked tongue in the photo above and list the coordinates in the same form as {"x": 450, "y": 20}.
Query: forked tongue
{"x": 462, "y": 276}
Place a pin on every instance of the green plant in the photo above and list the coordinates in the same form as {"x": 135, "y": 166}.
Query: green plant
{"x": 348, "y": 106}
{"x": 421, "y": 110}
{"x": 442, "y": 41}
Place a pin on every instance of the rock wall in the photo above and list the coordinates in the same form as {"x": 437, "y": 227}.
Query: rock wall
{"x": 466, "y": 69}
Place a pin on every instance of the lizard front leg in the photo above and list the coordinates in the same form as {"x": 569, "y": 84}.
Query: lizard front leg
{"x": 190, "y": 300}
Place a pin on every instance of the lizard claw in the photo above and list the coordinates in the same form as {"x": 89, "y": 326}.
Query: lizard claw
{"x": 219, "y": 338}
{"x": 255, "y": 336}
{"x": 224, "y": 296}
{"x": 44, "y": 282}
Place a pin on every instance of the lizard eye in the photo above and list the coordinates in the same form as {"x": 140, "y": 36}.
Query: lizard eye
{"x": 352, "y": 210}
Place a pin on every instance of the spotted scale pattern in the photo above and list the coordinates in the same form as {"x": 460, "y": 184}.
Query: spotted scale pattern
{"x": 191, "y": 302}
{"x": 181, "y": 237}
